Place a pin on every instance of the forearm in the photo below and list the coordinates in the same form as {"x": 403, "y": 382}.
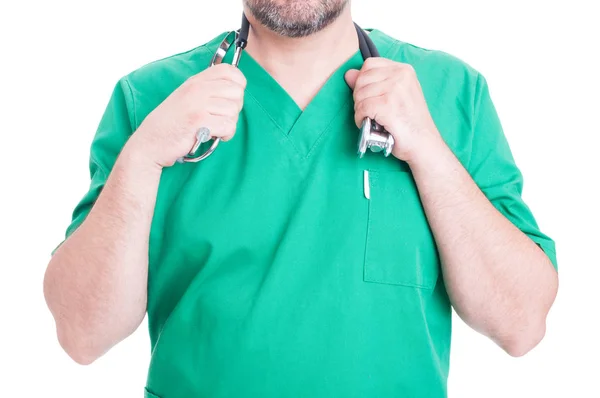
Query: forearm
{"x": 96, "y": 282}
{"x": 498, "y": 280}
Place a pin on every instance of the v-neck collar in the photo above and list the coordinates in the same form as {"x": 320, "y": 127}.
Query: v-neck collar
{"x": 303, "y": 128}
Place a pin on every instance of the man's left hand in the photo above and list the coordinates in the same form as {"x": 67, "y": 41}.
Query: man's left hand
{"x": 389, "y": 92}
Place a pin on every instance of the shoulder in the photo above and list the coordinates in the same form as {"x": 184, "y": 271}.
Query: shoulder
{"x": 436, "y": 68}
{"x": 435, "y": 62}
{"x": 183, "y": 64}
{"x": 452, "y": 88}
{"x": 147, "y": 86}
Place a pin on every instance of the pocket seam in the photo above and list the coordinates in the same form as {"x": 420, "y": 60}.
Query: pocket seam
{"x": 374, "y": 176}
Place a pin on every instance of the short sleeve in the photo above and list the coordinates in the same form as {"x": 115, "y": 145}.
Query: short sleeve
{"x": 115, "y": 128}
{"x": 493, "y": 169}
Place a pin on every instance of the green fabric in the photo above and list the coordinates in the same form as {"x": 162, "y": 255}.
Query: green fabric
{"x": 270, "y": 272}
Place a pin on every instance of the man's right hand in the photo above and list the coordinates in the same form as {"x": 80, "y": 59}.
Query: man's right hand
{"x": 212, "y": 98}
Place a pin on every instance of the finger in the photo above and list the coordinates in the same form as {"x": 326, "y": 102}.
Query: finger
{"x": 220, "y": 126}
{"x": 224, "y": 107}
{"x": 376, "y": 62}
{"x": 374, "y": 75}
{"x": 372, "y": 90}
{"x": 376, "y": 108}
{"x": 351, "y": 77}
{"x": 226, "y": 138}
{"x": 227, "y": 72}
{"x": 228, "y": 127}
{"x": 224, "y": 89}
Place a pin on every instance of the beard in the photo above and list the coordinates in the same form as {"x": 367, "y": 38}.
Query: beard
{"x": 296, "y": 18}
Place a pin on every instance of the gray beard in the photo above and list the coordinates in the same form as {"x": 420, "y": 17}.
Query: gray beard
{"x": 294, "y": 20}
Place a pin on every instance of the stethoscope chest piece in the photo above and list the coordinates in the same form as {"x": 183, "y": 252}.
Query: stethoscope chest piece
{"x": 374, "y": 137}
{"x": 203, "y": 134}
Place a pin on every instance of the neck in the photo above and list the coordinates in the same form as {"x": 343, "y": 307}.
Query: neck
{"x": 302, "y": 65}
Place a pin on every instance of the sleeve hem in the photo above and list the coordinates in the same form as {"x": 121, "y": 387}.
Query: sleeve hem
{"x": 132, "y": 114}
{"x": 548, "y": 248}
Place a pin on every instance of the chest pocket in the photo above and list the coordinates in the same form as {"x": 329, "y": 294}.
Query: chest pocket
{"x": 400, "y": 248}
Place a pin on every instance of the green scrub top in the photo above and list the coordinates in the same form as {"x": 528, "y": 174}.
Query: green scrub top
{"x": 286, "y": 266}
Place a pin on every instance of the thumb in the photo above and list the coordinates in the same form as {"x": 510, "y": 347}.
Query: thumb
{"x": 351, "y": 77}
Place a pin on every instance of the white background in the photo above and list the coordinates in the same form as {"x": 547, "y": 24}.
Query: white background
{"x": 61, "y": 59}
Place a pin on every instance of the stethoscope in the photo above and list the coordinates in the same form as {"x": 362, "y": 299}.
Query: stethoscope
{"x": 372, "y": 135}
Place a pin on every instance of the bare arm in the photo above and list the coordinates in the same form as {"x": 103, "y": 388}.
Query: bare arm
{"x": 95, "y": 284}
{"x": 499, "y": 281}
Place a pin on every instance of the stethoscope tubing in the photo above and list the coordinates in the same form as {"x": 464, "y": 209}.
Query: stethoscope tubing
{"x": 367, "y": 49}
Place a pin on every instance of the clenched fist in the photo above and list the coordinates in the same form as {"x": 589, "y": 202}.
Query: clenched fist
{"x": 389, "y": 92}
{"x": 212, "y": 98}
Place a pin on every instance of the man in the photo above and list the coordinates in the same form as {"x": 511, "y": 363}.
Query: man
{"x": 285, "y": 265}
